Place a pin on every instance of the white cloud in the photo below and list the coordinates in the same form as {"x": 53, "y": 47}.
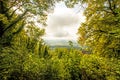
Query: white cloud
{"x": 63, "y": 17}
{"x": 63, "y": 22}
{"x": 61, "y": 34}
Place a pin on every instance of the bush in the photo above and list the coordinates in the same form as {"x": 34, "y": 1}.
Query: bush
{"x": 60, "y": 64}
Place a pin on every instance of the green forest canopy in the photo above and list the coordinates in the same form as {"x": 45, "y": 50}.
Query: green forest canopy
{"x": 24, "y": 56}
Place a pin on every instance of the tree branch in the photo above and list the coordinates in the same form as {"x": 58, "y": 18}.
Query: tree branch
{"x": 16, "y": 20}
{"x": 11, "y": 6}
{"x": 1, "y": 7}
{"x": 20, "y": 28}
{"x": 14, "y": 12}
{"x": 112, "y": 9}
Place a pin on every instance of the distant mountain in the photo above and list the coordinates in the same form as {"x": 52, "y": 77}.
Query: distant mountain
{"x": 62, "y": 43}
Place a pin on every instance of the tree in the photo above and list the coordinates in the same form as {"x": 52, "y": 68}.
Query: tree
{"x": 16, "y": 14}
{"x": 101, "y": 30}
{"x": 70, "y": 44}
{"x": 19, "y": 36}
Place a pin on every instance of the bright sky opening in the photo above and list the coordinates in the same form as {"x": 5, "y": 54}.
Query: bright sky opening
{"x": 64, "y": 22}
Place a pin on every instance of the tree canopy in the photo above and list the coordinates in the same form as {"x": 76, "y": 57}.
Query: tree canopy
{"x": 25, "y": 56}
{"x": 17, "y": 14}
{"x": 101, "y": 30}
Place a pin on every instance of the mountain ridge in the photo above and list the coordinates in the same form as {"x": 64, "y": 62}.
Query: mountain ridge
{"x": 61, "y": 43}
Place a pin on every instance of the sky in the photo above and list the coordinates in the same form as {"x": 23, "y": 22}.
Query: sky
{"x": 64, "y": 22}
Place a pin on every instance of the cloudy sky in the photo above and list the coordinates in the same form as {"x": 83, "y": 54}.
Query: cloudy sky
{"x": 63, "y": 23}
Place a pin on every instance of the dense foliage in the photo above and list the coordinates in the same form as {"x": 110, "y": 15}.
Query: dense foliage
{"x": 101, "y": 30}
{"x": 25, "y": 56}
{"x": 58, "y": 64}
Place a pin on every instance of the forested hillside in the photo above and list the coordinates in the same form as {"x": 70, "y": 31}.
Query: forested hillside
{"x": 25, "y": 56}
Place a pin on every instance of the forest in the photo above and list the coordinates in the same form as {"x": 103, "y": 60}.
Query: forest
{"x": 25, "y": 56}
